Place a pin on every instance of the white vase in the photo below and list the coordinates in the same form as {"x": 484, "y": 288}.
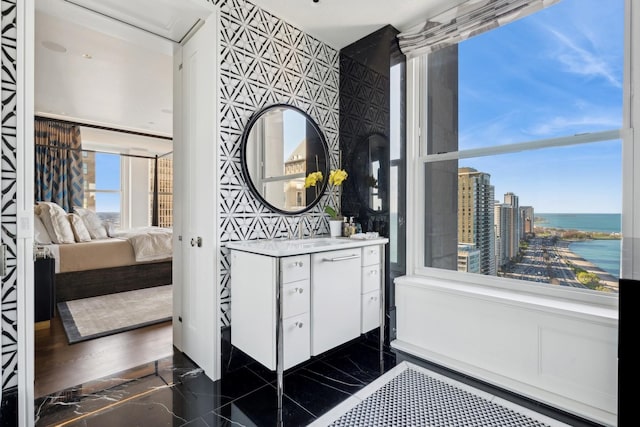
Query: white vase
{"x": 335, "y": 227}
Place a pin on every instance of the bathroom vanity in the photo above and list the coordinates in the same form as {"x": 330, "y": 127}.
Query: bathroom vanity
{"x": 294, "y": 299}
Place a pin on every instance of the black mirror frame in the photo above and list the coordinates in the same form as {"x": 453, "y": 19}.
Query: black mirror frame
{"x": 245, "y": 170}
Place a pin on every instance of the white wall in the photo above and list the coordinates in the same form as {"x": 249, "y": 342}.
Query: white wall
{"x": 559, "y": 352}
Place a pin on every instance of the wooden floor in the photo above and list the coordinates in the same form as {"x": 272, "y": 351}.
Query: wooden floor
{"x": 59, "y": 365}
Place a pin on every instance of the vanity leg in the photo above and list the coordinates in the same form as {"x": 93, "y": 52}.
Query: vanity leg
{"x": 279, "y": 343}
{"x": 383, "y": 279}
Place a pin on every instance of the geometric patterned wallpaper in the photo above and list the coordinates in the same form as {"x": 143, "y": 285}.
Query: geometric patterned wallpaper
{"x": 365, "y": 101}
{"x": 8, "y": 293}
{"x": 263, "y": 61}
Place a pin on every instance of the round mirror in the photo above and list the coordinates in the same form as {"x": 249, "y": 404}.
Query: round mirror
{"x": 281, "y": 145}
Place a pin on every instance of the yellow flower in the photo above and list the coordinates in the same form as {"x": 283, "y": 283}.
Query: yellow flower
{"x": 312, "y": 179}
{"x": 336, "y": 176}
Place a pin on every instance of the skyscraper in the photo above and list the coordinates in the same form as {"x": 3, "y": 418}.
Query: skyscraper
{"x": 475, "y": 215}
{"x": 526, "y": 220}
{"x": 513, "y": 244}
{"x": 503, "y": 229}
{"x": 165, "y": 191}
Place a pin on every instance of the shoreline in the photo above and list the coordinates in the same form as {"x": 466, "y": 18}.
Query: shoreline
{"x": 608, "y": 280}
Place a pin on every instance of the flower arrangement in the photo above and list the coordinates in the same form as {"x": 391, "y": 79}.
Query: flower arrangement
{"x": 336, "y": 178}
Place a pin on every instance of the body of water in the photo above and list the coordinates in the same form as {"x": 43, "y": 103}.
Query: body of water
{"x": 603, "y": 253}
{"x": 604, "y": 223}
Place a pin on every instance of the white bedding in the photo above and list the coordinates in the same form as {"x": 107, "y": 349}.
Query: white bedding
{"x": 149, "y": 243}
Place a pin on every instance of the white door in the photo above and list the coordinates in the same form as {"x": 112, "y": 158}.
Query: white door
{"x": 195, "y": 147}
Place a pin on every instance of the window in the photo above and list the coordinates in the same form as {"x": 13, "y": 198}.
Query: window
{"x": 520, "y": 152}
{"x": 102, "y": 185}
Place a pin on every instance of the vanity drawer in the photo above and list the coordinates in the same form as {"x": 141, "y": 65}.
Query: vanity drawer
{"x": 370, "y": 316}
{"x": 371, "y": 278}
{"x": 370, "y": 255}
{"x": 295, "y": 298}
{"x": 294, "y": 268}
{"x": 296, "y": 340}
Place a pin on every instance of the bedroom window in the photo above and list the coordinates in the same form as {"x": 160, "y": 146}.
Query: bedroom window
{"x": 520, "y": 149}
{"x": 102, "y": 185}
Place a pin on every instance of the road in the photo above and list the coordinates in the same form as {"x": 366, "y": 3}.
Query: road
{"x": 542, "y": 263}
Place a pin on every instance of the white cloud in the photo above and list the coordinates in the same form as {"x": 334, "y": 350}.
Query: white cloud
{"x": 561, "y": 125}
{"x": 581, "y": 61}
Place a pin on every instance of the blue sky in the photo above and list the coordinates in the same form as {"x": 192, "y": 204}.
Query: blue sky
{"x": 555, "y": 73}
{"x": 107, "y": 178}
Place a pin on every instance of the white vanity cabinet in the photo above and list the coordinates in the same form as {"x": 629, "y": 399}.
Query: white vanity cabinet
{"x": 322, "y": 292}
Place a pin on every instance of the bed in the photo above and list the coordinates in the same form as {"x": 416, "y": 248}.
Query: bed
{"x": 100, "y": 263}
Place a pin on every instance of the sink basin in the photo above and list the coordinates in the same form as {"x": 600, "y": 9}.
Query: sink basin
{"x": 316, "y": 242}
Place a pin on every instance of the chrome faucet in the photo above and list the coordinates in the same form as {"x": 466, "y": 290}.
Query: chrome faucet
{"x": 301, "y": 226}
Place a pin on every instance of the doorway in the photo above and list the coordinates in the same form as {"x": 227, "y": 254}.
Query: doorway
{"x": 26, "y": 405}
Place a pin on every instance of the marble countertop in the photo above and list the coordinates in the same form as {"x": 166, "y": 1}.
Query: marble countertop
{"x": 290, "y": 247}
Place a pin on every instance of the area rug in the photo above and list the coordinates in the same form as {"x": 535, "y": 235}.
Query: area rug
{"x": 88, "y": 318}
{"x": 409, "y": 395}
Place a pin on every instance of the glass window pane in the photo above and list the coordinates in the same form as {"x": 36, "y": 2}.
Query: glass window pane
{"x": 108, "y": 207}
{"x": 107, "y": 171}
{"x": 555, "y": 73}
{"x": 549, "y": 215}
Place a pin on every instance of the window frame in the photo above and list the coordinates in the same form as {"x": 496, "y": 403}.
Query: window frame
{"x": 417, "y": 159}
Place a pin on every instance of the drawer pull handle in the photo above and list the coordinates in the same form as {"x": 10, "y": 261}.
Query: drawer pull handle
{"x": 298, "y": 290}
{"x": 342, "y": 258}
{"x": 374, "y": 298}
{"x": 299, "y": 324}
{"x": 298, "y": 264}
{"x": 373, "y": 273}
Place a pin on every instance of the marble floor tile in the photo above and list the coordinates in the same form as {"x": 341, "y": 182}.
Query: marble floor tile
{"x": 175, "y": 392}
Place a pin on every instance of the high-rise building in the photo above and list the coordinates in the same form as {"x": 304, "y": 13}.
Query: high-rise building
{"x": 526, "y": 220}
{"x": 165, "y": 191}
{"x": 513, "y": 244}
{"x": 502, "y": 219}
{"x": 89, "y": 172}
{"x": 475, "y": 216}
{"x": 468, "y": 258}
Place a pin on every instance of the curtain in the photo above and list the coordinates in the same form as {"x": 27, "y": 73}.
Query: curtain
{"x": 58, "y": 164}
{"x": 464, "y": 21}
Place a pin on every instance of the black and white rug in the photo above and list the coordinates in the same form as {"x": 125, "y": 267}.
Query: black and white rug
{"x": 409, "y": 395}
{"x": 88, "y": 318}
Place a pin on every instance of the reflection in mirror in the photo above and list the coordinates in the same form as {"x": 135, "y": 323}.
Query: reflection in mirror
{"x": 368, "y": 166}
{"x": 281, "y": 145}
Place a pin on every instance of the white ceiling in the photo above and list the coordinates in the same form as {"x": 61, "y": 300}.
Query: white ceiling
{"x": 339, "y": 23}
{"x": 127, "y": 81}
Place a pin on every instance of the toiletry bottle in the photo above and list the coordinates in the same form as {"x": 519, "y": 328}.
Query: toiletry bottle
{"x": 345, "y": 227}
{"x": 352, "y": 227}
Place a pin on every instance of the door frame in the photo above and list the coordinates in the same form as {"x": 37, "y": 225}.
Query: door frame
{"x": 25, "y": 109}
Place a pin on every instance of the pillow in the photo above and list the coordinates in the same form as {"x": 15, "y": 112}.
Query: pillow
{"x": 111, "y": 229}
{"x": 55, "y": 222}
{"x": 40, "y": 234}
{"x": 80, "y": 231}
{"x": 92, "y": 222}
